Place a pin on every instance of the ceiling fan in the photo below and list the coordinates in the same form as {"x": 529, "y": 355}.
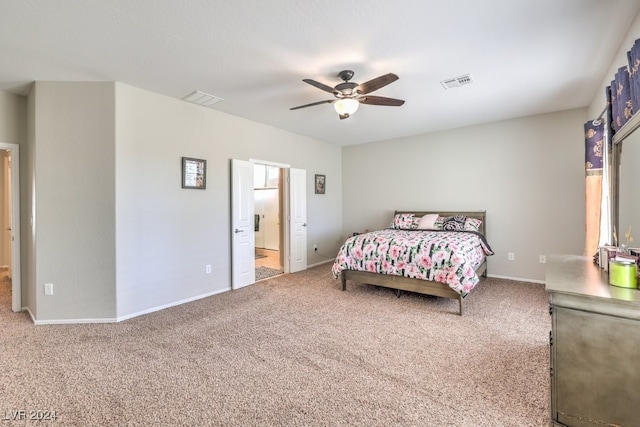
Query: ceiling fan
{"x": 349, "y": 95}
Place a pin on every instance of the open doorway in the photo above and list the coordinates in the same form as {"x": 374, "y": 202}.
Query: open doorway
{"x": 268, "y": 220}
{"x": 10, "y": 281}
{"x": 293, "y": 223}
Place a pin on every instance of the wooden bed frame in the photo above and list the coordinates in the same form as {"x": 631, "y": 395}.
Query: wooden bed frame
{"x": 418, "y": 285}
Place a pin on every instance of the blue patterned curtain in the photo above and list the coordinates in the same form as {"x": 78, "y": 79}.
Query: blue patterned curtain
{"x": 622, "y": 101}
{"x": 623, "y": 110}
{"x": 633, "y": 57}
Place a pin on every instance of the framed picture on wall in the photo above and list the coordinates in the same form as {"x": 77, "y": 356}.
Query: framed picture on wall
{"x": 320, "y": 183}
{"x": 194, "y": 173}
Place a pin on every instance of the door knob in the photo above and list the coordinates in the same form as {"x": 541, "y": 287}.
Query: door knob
{"x": 237, "y": 230}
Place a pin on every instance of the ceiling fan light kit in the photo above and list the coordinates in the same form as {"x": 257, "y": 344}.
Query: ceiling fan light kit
{"x": 349, "y": 95}
{"x": 346, "y": 106}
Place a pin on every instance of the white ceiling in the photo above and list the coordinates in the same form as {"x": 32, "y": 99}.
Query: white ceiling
{"x": 527, "y": 56}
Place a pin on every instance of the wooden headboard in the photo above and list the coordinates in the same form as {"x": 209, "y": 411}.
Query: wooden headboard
{"x": 481, "y": 215}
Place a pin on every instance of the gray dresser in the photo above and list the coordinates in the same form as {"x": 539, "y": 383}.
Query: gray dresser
{"x": 594, "y": 346}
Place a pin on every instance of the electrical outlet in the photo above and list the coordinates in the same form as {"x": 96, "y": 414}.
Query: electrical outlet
{"x": 543, "y": 259}
{"x": 511, "y": 256}
{"x": 208, "y": 268}
{"x": 48, "y": 288}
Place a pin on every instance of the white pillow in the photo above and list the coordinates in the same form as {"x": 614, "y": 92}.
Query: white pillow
{"x": 427, "y": 222}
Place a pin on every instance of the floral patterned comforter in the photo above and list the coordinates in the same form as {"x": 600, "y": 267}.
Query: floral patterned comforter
{"x": 449, "y": 257}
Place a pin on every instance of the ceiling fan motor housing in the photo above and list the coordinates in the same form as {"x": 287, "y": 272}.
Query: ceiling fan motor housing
{"x": 347, "y": 88}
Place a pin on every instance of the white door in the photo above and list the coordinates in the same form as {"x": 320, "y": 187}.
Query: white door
{"x": 243, "y": 267}
{"x": 298, "y": 219}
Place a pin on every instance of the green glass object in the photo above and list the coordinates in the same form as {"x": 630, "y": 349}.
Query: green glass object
{"x": 623, "y": 274}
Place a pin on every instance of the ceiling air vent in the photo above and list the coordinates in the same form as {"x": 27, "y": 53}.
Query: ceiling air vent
{"x": 457, "y": 81}
{"x": 202, "y": 98}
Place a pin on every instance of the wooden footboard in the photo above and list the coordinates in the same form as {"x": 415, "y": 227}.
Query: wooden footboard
{"x": 406, "y": 284}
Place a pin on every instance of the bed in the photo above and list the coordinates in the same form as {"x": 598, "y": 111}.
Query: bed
{"x": 445, "y": 259}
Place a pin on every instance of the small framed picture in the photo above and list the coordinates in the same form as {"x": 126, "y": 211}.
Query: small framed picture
{"x": 320, "y": 183}
{"x": 194, "y": 173}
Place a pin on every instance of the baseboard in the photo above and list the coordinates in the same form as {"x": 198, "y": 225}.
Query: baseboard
{"x": 319, "y": 263}
{"x": 208, "y": 294}
{"x": 519, "y": 279}
{"x": 33, "y": 319}
{"x": 173, "y": 304}
{"x": 120, "y": 318}
{"x": 74, "y": 321}
{"x": 65, "y": 321}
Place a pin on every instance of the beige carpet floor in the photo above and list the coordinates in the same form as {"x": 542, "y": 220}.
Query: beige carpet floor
{"x": 293, "y": 350}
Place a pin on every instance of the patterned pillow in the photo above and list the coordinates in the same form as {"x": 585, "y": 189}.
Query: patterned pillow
{"x": 454, "y": 223}
{"x": 437, "y": 225}
{"x": 405, "y": 221}
{"x": 472, "y": 224}
{"x": 427, "y": 222}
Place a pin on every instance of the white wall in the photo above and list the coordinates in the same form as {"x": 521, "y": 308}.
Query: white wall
{"x": 527, "y": 173}
{"x": 112, "y": 227}
{"x": 74, "y": 198}
{"x": 165, "y": 234}
{"x": 153, "y": 238}
{"x": 12, "y": 118}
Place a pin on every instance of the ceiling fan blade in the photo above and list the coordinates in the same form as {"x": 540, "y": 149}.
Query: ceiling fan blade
{"x": 381, "y": 100}
{"x": 328, "y": 101}
{"x": 377, "y": 83}
{"x": 319, "y": 85}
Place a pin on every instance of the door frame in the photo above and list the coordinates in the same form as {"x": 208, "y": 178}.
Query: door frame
{"x": 16, "y": 280}
{"x": 284, "y": 243}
